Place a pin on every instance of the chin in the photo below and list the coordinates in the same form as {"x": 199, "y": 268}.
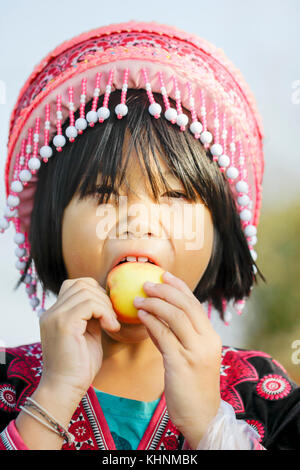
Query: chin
{"x": 131, "y": 331}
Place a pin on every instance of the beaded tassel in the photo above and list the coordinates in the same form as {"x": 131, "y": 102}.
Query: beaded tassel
{"x": 239, "y": 306}
{"x": 205, "y": 136}
{"x": 216, "y": 149}
{"x": 232, "y": 172}
{"x": 209, "y": 309}
{"x": 92, "y": 116}
{"x": 46, "y": 151}
{"x": 103, "y": 112}
{"x": 81, "y": 123}
{"x": 71, "y": 131}
{"x": 224, "y": 160}
{"x": 170, "y": 113}
{"x": 59, "y": 140}
{"x": 182, "y": 119}
{"x": 34, "y": 163}
{"x": 122, "y": 109}
{"x": 154, "y": 108}
{"x": 196, "y": 126}
{"x": 25, "y": 175}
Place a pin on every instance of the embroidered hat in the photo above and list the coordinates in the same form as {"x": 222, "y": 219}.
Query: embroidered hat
{"x": 148, "y": 55}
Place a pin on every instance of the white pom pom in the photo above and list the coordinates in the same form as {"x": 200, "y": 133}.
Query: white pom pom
{"x": 34, "y": 163}
{"x": 250, "y": 230}
{"x": 81, "y": 124}
{"x": 253, "y": 254}
{"x": 223, "y": 160}
{"x": 27, "y": 279}
{"x": 103, "y": 113}
{"x": 227, "y": 316}
{"x": 242, "y": 187}
{"x": 196, "y": 127}
{"x": 243, "y": 200}
{"x": 20, "y": 265}
{"x": 245, "y": 215}
{"x": 253, "y": 240}
{"x": 171, "y": 114}
{"x": 71, "y": 132}
{"x": 30, "y": 289}
{"x": 206, "y": 137}
{"x": 254, "y": 268}
{"x": 232, "y": 172}
{"x": 8, "y": 212}
{"x": 34, "y": 302}
{"x": 4, "y": 224}
{"x": 46, "y": 151}
{"x": 182, "y": 120}
{"x": 121, "y": 109}
{"x": 16, "y": 186}
{"x": 25, "y": 175}
{"x": 59, "y": 140}
{"x": 20, "y": 252}
{"x": 13, "y": 201}
{"x": 155, "y": 109}
{"x": 216, "y": 149}
{"x": 92, "y": 116}
{"x": 19, "y": 238}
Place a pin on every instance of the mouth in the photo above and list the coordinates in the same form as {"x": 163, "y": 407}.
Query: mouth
{"x": 135, "y": 258}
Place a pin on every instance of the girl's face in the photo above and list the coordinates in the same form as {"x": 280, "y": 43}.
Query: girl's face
{"x": 178, "y": 233}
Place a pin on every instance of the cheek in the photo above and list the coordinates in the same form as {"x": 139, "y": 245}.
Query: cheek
{"x": 80, "y": 245}
{"x": 194, "y": 249}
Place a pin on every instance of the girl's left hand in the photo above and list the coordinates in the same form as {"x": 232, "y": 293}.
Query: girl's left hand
{"x": 191, "y": 350}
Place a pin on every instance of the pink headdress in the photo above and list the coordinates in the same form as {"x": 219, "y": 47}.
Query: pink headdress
{"x": 157, "y": 58}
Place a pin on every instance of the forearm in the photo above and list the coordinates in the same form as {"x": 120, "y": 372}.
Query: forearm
{"x": 61, "y": 404}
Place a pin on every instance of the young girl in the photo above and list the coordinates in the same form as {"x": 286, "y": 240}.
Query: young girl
{"x": 126, "y": 117}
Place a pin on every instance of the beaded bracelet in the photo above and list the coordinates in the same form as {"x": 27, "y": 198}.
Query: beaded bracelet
{"x": 55, "y": 426}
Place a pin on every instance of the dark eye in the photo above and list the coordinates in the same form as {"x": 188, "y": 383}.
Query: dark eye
{"x": 176, "y": 194}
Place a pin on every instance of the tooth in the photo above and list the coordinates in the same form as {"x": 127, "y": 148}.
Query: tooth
{"x": 142, "y": 259}
{"x": 131, "y": 258}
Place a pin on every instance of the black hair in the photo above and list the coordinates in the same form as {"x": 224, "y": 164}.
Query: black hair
{"x": 76, "y": 168}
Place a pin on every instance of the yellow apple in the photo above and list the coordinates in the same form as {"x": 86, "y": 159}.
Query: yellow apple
{"x": 125, "y": 282}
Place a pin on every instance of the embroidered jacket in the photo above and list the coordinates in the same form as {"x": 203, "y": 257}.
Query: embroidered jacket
{"x": 255, "y": 384}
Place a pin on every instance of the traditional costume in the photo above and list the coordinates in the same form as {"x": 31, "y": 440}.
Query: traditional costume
{"x": 260, "y": 403}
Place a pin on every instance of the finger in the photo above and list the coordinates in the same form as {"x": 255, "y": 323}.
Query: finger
{"x": 175, "y": 318}
{"x": 80, "y": 285}
{"x": 190, "y": 306}
{"x": 67, "y": 283}
{"x": 162, "y": 337}
{"x": 91, "y": 305}
{"x": 88, "y": 309}
{"x": 169, "y": 278}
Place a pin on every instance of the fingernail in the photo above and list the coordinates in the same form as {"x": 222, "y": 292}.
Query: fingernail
{"x": 139, "y": 299}
{"x": 115, "y": 322}
{"x": 149, "y": 284}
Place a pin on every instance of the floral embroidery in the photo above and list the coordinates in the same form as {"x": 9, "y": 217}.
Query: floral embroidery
{"x": 7, "y": 397}
{"x": 239, "y": 370}
{"x": 273, "y": 387}
{"x": 258, "y": 427}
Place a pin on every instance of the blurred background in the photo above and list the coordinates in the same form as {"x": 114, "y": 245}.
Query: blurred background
{"x": 261, "y": 37}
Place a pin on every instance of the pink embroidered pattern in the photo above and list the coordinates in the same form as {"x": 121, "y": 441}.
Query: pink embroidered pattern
{"x": 273, "y": 387}
{"x": 258, "y": 427}
{"x": 7, "y": 397}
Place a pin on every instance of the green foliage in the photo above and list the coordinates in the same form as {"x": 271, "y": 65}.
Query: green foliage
{"x": 276, "y": 303}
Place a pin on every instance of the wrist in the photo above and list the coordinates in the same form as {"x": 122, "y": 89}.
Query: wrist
{"x": 59, "y": 400}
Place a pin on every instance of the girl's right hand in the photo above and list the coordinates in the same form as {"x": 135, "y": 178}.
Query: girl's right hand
{"x": 71, "y": 334}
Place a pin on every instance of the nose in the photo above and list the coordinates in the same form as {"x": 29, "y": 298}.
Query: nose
{"x": 141, "y": 221}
